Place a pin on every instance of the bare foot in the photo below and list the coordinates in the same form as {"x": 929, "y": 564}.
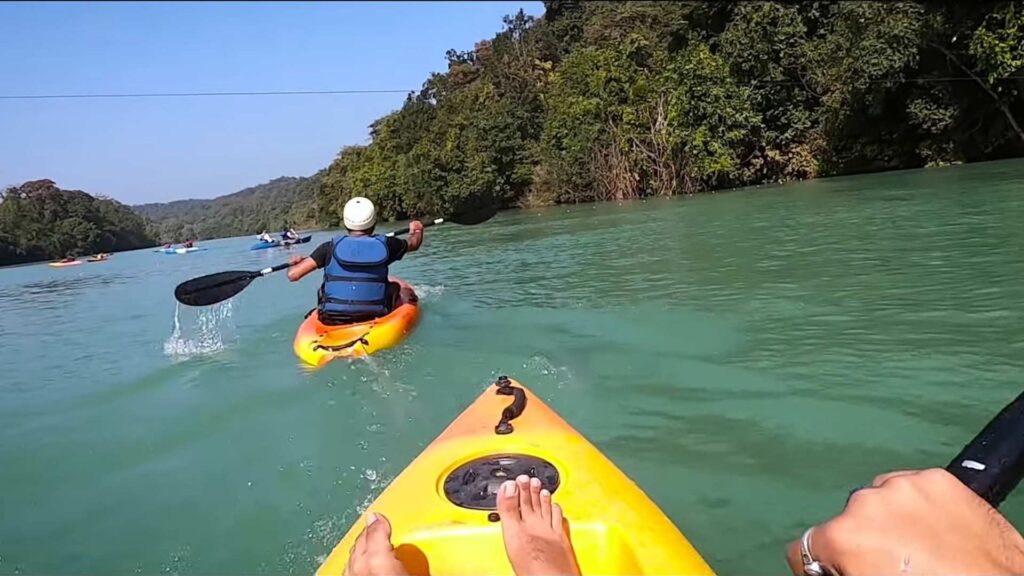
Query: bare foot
{"x": 373, "y": 554}
{"x": 535, "y": 538}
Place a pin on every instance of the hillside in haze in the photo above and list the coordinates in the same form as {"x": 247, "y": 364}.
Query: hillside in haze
{"x": 285, "y": 201}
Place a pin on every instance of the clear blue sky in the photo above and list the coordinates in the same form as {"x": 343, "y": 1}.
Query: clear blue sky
{"x": 160, "y": 149}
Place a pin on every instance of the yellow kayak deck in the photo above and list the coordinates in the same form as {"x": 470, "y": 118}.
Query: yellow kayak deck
{"x": 614, "y": 527}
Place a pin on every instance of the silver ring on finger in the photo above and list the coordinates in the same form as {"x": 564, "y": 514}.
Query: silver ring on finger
{"x": 811, "y": 566}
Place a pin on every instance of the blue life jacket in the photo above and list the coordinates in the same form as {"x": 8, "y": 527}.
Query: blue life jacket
{"x": 356, "y": 277}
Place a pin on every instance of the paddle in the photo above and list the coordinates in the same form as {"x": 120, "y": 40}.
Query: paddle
{"x": 993, "y": 463}
{"x": 218, "y": 287}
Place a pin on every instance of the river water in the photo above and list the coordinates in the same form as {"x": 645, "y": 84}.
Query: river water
{"x": 746, "y": 357}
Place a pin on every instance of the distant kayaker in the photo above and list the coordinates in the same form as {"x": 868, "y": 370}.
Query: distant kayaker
{"x": 355, "y": 286}
{"x": 188, "y": 244}
{"x": 908, "y": 522}
{"x": 289, "y": 234}
{"x": 264, "y": 237}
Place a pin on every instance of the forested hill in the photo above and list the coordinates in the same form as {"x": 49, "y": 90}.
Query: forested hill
{"x": 39, "y": 221}
{"x": 615, "y": 100}
{"x": 269, "y": 206}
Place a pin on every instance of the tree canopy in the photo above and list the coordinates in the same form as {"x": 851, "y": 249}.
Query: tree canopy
{"x": 617, "y": 100}
{"x": 39, "y": 221}
{"x": 286, "y": 201}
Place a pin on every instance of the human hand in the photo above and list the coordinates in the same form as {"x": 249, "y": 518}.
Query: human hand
{"x": 415, "y": 227}
{"x": 914, "y": 522}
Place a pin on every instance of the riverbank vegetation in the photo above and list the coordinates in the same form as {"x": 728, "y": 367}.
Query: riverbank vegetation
{"x": 270, "y": 206}
{"x": 616, "y": 100}
{"x": 39, "y": 221}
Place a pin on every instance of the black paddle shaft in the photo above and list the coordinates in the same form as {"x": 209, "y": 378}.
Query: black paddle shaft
{"x": 993, "y": 463}
{"x": 405, "y": 230}
{"x": 214, "y": 288}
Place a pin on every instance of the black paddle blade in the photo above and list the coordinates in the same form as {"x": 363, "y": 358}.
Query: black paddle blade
{"x": 213, "y": 288}
{"x": 471, "y": 215}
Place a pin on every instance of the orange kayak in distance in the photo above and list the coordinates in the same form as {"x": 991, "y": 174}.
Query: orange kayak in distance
{"x": 317, "y": 344}
{"x": 442, "y": 506}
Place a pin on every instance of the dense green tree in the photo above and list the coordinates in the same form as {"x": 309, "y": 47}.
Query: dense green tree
{"x": 39, "y": 221}
{"x": 270, "y": 206}
{"x": 614, "y": 100}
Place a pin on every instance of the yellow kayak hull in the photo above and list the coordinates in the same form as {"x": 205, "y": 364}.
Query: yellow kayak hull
{"x": 614, "y": 527}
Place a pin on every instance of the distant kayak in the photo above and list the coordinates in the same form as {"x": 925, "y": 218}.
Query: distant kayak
{"x": 99, "y": 258}
{"x": 262, "y": 245}
{"x": 302, "y": 240}
{"x": 65, "y": 264}
{"x": 180, "y": 250}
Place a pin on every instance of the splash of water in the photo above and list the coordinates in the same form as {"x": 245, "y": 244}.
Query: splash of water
{"x": 204, "y": 335}
{"x": 429, "y": 292}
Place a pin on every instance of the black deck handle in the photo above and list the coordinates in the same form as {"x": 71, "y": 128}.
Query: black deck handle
{"x": 514, "y": 409}
{"x": 993, "y": 463}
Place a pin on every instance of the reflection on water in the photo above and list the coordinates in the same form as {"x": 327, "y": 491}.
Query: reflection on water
{"x": 46, "y": 293}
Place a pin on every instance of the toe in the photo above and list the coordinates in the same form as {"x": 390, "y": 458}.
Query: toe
{"x": 545, "y": 504}
{"x": 508, "y": 502}
{"x": 525, "y": 500}
{"x": 359, "y": 548}
{"x": 535, "y": 487}
{"x": 378, "y": 534}
{"x": 556, "y": 517}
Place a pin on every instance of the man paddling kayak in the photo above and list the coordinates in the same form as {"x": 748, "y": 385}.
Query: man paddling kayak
{"x": 907, "y": 522}
{"x": 355, "y": 287}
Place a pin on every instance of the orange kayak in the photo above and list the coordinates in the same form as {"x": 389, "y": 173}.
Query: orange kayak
{"x": 442, "y": 506}
{"x": 317, "y": 344}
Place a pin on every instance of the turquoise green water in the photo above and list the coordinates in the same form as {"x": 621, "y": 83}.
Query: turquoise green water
{"x": 746, "y": 357}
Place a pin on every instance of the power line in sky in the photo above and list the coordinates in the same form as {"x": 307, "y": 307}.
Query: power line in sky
{"x": 193, "y": 94}
{"x": 343, "y": 92}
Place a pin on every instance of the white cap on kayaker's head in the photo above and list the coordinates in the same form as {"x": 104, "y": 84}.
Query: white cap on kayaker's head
{"x": 359, "y": 214}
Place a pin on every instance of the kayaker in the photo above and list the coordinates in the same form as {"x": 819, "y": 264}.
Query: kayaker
{"x": 289, "y": 234}
{"x": 188, "y": 244}
{"x": 264, "y": 237}
{"x": 536, "y": 541}
{"x": 355, "y": 286}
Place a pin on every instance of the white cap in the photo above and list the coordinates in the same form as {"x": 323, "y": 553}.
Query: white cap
{"x": 359, "y": 214}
